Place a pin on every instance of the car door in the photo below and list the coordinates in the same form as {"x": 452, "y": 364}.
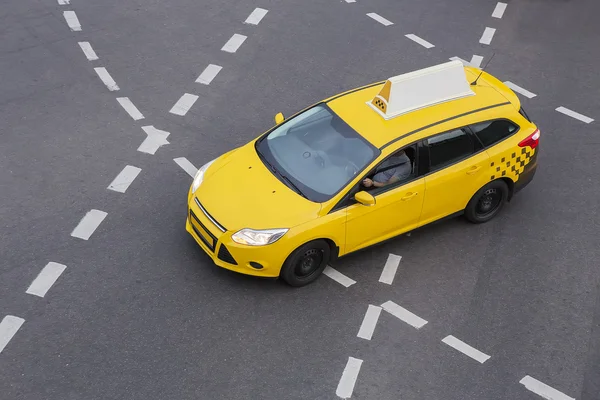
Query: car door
{"x": 396, "y": 210}
{"x": 458, "y": 167}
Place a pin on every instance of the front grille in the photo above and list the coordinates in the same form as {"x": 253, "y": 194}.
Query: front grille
{"x": 214, "y": 221}
{"x": 225, "y": 255}
{"x": 203, "y": 233}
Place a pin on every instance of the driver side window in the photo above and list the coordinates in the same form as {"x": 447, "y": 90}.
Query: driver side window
{"x": 396, "y": 170}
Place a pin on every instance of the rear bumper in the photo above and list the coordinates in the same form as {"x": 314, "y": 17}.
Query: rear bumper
{"x": 226, "y": 253}
{"x": 528, "y": 173}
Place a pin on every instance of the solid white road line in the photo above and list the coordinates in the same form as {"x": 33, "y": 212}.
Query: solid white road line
{"x": 130, "y": 108}
{"x": 369, "y": 322}
{"x": 209, "y": 74}
{"x": 465, "y": 349}
{"x": 88, "y": 224}
{"x": 256, "y": 15}
{"x": 348, "y": 379}
{"x": 487, "y": 36}
{"x": 155, "y": 138}
{"x": 419, "y": 40}
{"x": 106, "y": 78}
{"x": 64, "y": 2}
{"x": 403, "y": 314}
{"x": 476, "y": 61}
{"x": 46, "y": 278}
{"x": 574, "y": 114}
{"x": 124, "y": 179}
{"x": 338, "y": 276}
{"x": 184, "y": 104}
{"x": 380, "y": 19}
{"x": 88, "y": 51}
{"x": 519, "y": 89}
{"x": 8, "y": 327}
{"x": 390, "y": 268}
{"x": 186, "y": 165}
{"x": 499, "y": 10}
{"x": 234, "y": 43}
{"x": 72, "y": 20}
{"x": 543, "y": 390}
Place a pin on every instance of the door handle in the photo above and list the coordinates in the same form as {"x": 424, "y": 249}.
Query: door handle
{"x": 409, "y": 196}
{"x": 473, "y": 169}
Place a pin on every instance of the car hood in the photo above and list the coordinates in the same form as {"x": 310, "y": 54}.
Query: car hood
{"x": 240, "y": 192}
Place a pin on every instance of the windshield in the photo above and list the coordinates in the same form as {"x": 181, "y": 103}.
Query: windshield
{"x": 317, "y": 152}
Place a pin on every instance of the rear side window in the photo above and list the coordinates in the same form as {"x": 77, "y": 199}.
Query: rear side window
{"x": 449, "y": 147}
{"x": 491, "y": 132}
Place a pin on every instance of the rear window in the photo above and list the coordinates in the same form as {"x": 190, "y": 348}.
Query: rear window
{"x": 449, "y": 147}
{"x": 491, "y": 132}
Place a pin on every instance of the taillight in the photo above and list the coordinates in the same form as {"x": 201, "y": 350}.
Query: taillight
{"x": 532, "y": 140}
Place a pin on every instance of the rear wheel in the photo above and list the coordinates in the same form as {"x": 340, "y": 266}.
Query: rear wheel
{"x": 306, "y": 263}
{"x": 487, "y": 202}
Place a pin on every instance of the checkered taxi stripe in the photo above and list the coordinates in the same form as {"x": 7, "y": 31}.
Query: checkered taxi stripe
{"x": 512, "y": 166}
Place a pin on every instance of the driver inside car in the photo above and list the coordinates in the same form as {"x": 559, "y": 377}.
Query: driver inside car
{"x": 396, "y": 168}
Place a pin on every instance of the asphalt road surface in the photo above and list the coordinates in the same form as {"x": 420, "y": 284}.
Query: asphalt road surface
{"x": 131, "y": 308}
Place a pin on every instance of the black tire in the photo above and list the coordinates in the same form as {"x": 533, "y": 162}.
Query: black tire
{"x": 487, "y": 202}
{"x": 306, "y": 263}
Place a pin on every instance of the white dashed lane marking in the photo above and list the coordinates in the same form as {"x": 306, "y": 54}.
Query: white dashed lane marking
{"x": 350, "y": 1}
{"x": 390, "y": 268}
{"x": 487, "y": 36}
{"x": 46, "y": 278}
{"x": 8, "y": 327}
{"x": 574, "y": 114}
{"x": 184, "y": 104}
{"x": 88, "y": 51}
{"x": 256, "y": 16}
{"x": 465, "y": 62}
{"x": 520, "y": 90}
{"x": 209, "y": 74}
{"x": 369, "y": 322}
{"x": 72, "y": 20}
{"x": 234, "y": 43}
{"x": 380, "y": 19}
{"x": 403, "y": 314}
{"x": 465, "y": 349}
{"x": 543, "y": 390}
{"x": 499, "y": 10}
{"x": 476, "y": 61}
{"x": 64, "y": 2}
{"x": 130, "y": 108}
{"x": 419, "y": 40}
{"x": 338, "y": 276}
{"x": 124, "y": 179}
{"x": 88, "y": 224}
{"x": 155, "y": 138}
{"x": 348, "y": 379}
{"x": 106, "y": 79}
{"x": 186, "y": 165}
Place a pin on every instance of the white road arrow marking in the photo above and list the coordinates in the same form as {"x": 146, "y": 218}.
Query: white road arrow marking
{"x": 155, "y": 139}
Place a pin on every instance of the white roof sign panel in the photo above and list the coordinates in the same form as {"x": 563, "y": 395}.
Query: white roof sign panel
{"x": 422, "y": 88}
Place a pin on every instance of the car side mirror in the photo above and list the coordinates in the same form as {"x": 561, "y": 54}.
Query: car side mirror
{"x": 364, "y": 198}
{"x": 279, "y": 118}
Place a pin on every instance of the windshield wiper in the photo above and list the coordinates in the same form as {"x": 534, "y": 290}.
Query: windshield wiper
{"x": 287, "y": 180}
{"x": 291, "y": 184}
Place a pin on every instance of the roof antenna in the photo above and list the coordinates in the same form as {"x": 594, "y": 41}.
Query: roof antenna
{"x": 483, "y": 69}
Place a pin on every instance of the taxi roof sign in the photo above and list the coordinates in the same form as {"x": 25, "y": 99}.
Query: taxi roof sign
{"x": 422, "y": 88}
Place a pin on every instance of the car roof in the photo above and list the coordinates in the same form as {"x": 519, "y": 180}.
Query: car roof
{"x": 491, "y": 98}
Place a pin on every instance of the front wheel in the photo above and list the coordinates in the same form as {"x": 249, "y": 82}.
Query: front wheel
{"x": 306, "y": 263}
{"x": 487, "y": 202}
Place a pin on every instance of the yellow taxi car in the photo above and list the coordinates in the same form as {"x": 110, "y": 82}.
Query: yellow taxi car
{"x": 362, "y": 167}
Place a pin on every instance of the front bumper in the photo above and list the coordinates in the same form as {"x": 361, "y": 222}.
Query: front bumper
{"x": 228, "y": 254}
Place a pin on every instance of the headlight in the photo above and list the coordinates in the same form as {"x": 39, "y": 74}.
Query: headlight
{"x": 200, "y": 176}
{"x": 258, "y": 238}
